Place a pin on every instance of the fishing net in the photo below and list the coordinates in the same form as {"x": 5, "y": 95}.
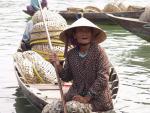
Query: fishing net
{"x": 145, "y": 16}
{"x": 34, "y": 68}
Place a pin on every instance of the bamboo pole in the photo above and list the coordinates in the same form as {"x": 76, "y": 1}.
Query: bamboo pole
{"x": 52, "y": 51}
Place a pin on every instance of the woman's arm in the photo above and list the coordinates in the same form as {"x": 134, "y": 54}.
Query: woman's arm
{"x": 64, "y": 71}
{"x": 101, "y": 82}
{"x": 66, "y": 74}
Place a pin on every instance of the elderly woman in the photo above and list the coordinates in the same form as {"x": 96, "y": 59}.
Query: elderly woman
{"x": 87, "y": 65}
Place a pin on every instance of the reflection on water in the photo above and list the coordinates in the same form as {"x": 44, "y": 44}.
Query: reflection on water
{"x": 22, "y": 105}
{"x": 141, "y": 56}
{"x": 131, "y": 56}
{"x": 128, "y": 53}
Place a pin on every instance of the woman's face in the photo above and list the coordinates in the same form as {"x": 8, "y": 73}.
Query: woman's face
{"x": 83, "y": 35}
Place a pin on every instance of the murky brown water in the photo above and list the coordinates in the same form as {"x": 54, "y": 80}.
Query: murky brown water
{"x": 129, "y": 54}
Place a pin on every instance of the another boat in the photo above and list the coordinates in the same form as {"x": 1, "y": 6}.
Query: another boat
{"x": 43, "y": 94}
{"x": 135, "y": 26}
{"x": 100, "y": 17}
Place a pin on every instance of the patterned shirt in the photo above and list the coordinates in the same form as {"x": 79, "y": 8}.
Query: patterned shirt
{"x": 89, "y": 74}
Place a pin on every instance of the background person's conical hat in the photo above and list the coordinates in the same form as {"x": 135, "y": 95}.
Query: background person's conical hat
{"x": 99, "y": 34}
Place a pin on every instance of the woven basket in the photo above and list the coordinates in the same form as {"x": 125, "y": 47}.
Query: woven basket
{"x": 25, "y": 68}
{"x": 44, "y": 51}
{"x": 43, "y": 35}
{"x": 51, "y": 25}
{"x": 49, "y": 16}
{"x": 34, "y": 69}
{"x": 111, "y": 8}
{"x": 122, "y": 7}
{"x": 45, "y": 69}
{"x": 55, "y": 24}
{"x": 92, "y": 9}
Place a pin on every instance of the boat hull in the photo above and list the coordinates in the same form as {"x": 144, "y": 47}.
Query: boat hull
{"x": 133, "y": 25}
{"x": 98, "y": 17}
{"x": 31, "y": 97}
{"x": 42, "y": 94}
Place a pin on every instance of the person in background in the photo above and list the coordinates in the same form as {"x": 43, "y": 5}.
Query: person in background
{"x": 31, "y": 10}
{"x": 86, "y": 65}
{"x": 34, "y": 6}
{"x": 145, "y": 16}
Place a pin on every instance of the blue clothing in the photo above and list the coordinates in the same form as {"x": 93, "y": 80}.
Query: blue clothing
{"x": 26, "y": 35}
{"x": 35, "y": 4}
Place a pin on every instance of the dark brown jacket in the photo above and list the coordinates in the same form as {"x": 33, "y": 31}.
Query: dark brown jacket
{"x": 89, "y": 74}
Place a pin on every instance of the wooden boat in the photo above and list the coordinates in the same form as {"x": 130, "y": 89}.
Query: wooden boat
{"x": 139, "y": 28}
{"x": 100, "y": 17}
{"x": 42, "y": 94}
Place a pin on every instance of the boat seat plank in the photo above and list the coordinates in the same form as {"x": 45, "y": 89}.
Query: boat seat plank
{"x": 46, "y": 86}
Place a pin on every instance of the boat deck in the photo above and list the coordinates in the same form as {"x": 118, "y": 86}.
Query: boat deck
{"x": 47, "y": 91}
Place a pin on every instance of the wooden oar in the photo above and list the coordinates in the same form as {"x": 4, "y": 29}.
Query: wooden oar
{"x": 52, "y": 51}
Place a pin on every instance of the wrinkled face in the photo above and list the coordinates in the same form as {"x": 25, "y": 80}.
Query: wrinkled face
{"x": 83, "y": 35}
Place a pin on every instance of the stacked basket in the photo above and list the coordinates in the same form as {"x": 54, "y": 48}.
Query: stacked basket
{"x": 55, "y": 24}
{"x": 34, "y": 69}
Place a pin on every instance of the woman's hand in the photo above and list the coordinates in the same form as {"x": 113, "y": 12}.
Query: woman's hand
{"x": 55, "y": 61}
{"x": 54, "y": 58}
{"x": 82, "y": 99}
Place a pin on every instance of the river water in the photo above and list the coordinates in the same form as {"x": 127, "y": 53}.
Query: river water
{"x": 129, "y": 54}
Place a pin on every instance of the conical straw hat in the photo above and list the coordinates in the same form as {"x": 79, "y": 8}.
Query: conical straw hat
{"x": 99, "y": 34}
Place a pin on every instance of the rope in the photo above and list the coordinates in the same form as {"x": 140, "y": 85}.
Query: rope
{"x": 61, "y": 56}
{"x": 55, "y": 42}
{"x": 46, "y": 53}
{"x": 37, "y": 74}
